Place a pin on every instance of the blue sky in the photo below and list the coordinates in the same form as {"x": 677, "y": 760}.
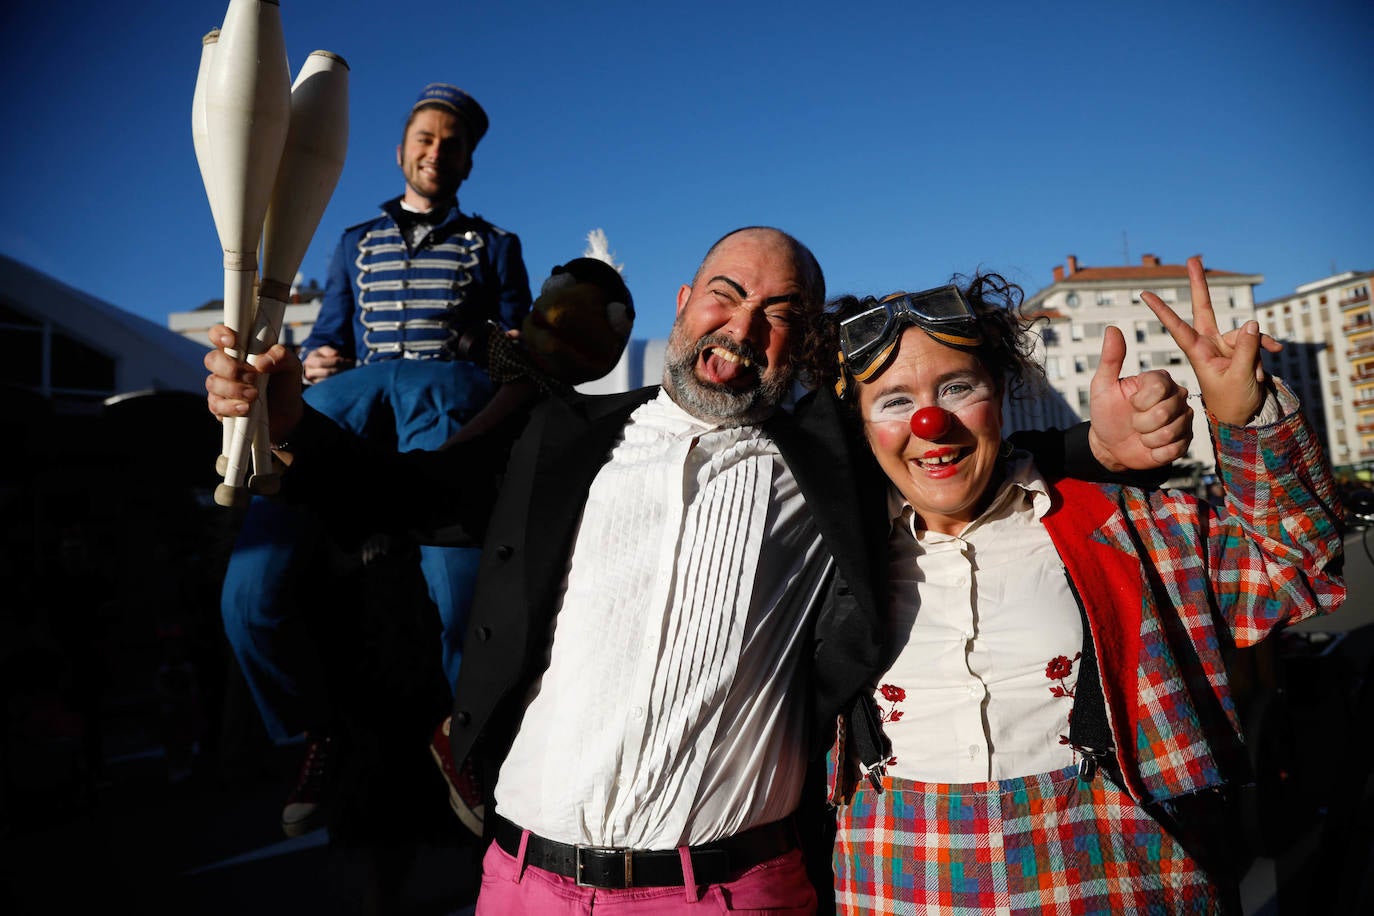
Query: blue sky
{"x": 902, "y": 141}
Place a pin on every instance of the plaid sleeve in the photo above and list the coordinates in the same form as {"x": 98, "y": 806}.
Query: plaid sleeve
{"x": 1274, "y": 550}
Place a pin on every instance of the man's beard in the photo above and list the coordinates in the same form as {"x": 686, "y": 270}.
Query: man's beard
{"x": 719, "y": 403}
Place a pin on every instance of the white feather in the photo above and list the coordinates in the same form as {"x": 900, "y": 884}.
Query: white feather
{"x": 599, "y": 247}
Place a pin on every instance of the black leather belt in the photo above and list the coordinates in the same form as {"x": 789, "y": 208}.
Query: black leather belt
{"x": 614, "y": 867}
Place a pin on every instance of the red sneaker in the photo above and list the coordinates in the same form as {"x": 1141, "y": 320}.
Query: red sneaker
{"x": 464, "y": 792}
{"x": 305, "y": 806}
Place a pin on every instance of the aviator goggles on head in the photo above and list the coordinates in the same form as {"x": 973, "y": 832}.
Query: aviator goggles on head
{"x": 868, "y": 339}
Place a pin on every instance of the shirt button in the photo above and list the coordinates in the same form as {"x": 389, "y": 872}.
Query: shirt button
{"x": 973, "y": 691}
{"x": 973, "y": 750}
{"x": 636, "y": 711}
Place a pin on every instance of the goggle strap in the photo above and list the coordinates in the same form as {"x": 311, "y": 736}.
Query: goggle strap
{"x": 954, "y": 340}
{"x": 878, "y": 362}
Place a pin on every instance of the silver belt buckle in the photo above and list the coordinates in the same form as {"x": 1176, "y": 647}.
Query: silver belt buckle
{"x": 578, "y": 849}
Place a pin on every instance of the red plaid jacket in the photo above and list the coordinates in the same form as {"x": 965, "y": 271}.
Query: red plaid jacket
{"x": 1168, "y": 580}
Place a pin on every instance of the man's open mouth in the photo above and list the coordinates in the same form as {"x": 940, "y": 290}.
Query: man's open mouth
{"x": 726, "y": 367}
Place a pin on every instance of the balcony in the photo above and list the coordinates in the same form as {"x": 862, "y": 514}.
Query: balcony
{"x": 1363, "y": 403}
{"x": 1357, "y": 327}
{"x": 1351, "y": 302}
{"x": 1360, "y": 378}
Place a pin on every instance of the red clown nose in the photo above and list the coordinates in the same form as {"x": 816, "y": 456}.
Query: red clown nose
{"x": 930, "y": 423}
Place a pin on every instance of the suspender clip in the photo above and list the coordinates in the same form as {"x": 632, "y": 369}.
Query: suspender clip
{"x": 875, "y": 773}
{"x": 1090, "y": 761}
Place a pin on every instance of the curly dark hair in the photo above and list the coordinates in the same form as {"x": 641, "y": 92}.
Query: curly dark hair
{"x": 1007, "y": 351}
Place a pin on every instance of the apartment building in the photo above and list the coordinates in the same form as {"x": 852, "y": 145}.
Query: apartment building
{"x": 1082, "y": 301}
{"x": 297, "y": 321}
{"x": 1328, "y": 358}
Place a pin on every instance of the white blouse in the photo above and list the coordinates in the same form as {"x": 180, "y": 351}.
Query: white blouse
{"x": 991, "y": 637}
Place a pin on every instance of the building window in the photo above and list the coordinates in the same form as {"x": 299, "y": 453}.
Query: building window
{"x": 1084, "y": 402}
{"x": 1106, "y": 298}
{"x": 1076, "y": 331}
{"x": 21, "y": 356}
{"x": 78, "y": 367}
{"x": 35, "y": 355}
{"x": 1071, "y": 300}
{"x": 1049, "y": 336}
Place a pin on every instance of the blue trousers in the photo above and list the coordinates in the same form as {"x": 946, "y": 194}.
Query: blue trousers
{"x": 411, "y": 404}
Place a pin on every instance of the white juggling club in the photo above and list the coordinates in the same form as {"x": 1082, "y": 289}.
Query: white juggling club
{"x": 247, "y": 113}
{"x": 311, "y": 162}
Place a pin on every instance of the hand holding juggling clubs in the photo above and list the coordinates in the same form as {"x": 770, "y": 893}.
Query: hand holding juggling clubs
{"x": 247, "y": 99}
{"x": 268, "y": 151}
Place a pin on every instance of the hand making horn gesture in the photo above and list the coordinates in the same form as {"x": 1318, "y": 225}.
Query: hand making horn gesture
{"x": 1228, "y": 369}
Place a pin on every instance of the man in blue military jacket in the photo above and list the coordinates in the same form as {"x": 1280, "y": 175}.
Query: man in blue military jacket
{"x": 381, "y": 361}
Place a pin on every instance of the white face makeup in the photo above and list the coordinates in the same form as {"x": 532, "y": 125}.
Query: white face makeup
{"x": 895, "y": 403}
{"x": 947, "y": 480}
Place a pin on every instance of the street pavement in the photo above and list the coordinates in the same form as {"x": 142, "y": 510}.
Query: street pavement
{"x": 211, "y": 843}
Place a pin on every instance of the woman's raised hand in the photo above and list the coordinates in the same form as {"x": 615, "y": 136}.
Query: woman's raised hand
{"x": 1228, "y": 368}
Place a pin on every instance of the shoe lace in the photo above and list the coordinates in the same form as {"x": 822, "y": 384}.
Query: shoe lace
{"x": 310, "y": 779}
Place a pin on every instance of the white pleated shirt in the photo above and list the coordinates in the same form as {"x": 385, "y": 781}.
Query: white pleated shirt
{"x": 668, "y": 713}
{"x": 991, "y": 634}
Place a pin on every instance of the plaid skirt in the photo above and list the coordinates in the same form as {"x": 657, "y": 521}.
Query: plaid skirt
{"x": 1038, "y": 844}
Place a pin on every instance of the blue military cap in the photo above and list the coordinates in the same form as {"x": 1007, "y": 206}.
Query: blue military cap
{"x": 446, "y": 95}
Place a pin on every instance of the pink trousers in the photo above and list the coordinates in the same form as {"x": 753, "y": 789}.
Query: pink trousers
{"x": 778, "y": 887}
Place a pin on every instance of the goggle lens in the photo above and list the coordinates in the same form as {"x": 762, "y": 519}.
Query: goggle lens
{"x": 942, "y": 312}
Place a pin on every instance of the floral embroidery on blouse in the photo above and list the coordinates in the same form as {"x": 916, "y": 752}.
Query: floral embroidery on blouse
{"x": 894, "y": 695}
{"x": 1060, "y": 667}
